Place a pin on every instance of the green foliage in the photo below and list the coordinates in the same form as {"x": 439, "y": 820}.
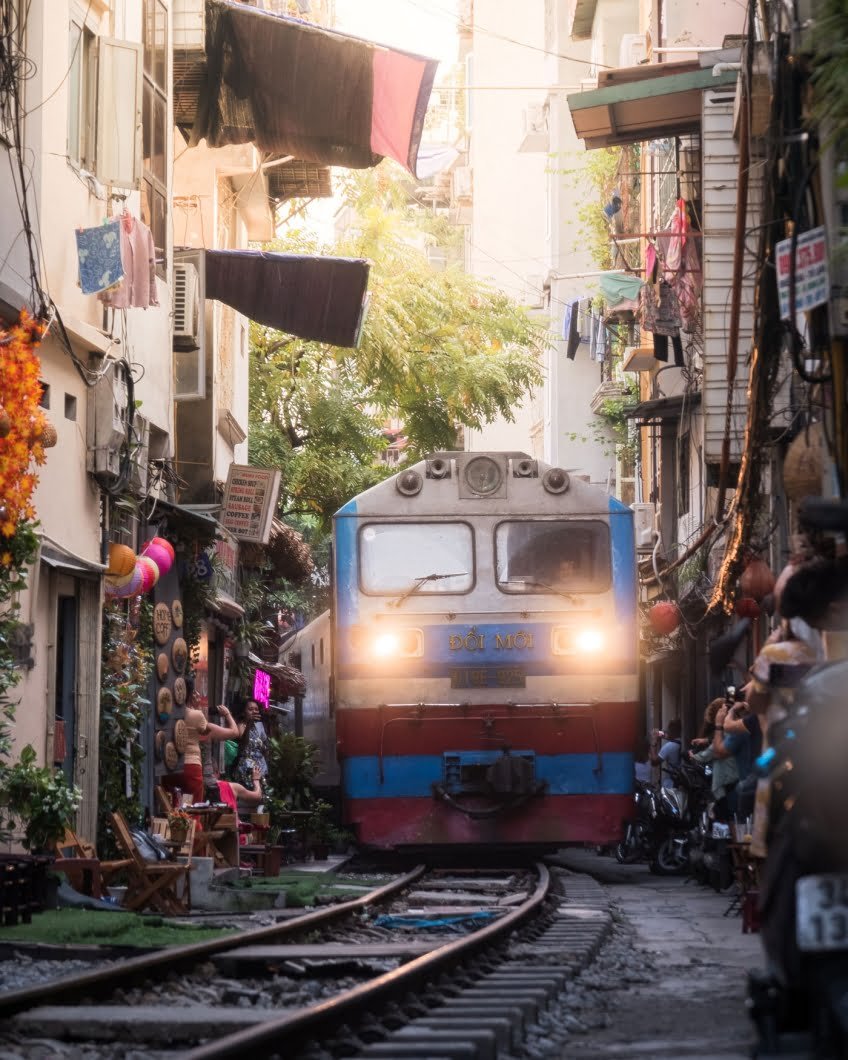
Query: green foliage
{"x": 19, "y": 551}
{"x": 125, "y": 680}
{"x": 292, "y": 765}
{"x": 830, "y": 69}
{"x": 94, "y": 927}
{"x": 40, "y": 800}
{"x": 311, "y": 597}
{"x": 439, "y": 349}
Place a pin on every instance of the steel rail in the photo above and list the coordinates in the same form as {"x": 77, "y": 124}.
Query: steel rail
{"x": 273, "y": 1035}
{"x": 59, "y": 991}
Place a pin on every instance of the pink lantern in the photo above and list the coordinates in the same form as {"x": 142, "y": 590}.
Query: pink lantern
{"x": 149, "y": 573}
{"x": 163, "y": 559}
{"x": 164, "y": 543}
{"x": 664, "y": 617}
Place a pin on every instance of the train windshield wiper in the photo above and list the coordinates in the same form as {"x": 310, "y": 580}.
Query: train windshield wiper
{"x": 531, "y": 583}
{"x": 417, "y": 584}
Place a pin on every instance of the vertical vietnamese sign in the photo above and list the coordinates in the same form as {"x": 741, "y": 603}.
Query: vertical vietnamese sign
{"x": 250, "y": 499}
{"x": 812, "y": 281}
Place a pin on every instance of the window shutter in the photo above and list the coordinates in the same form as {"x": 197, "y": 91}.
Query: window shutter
{"x": 119, "y": 113}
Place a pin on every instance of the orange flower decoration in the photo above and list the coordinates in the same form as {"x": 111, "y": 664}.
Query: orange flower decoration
{"x": 21, "y": 447}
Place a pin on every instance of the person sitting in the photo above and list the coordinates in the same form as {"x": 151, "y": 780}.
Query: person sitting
{"x": 668, "y": 754}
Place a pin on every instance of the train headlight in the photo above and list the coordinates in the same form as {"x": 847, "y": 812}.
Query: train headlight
{"x": 589, "y": 641}
{"x": 397, "y": 643}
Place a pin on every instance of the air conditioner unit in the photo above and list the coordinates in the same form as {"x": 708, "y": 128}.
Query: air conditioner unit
{"x": 644, "y": 526}
{"x": 633, "y": 49}
{"x": 535, "y": 134}
{"x": 106, "y": 425}
{"x": 139, "y": 453}
{"x": 189, "y": 315}
{"x": 186, "y": 305}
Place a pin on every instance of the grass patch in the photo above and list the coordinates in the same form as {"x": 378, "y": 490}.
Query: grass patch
{"x": 302, "y": 888}
{"x": 101, "y": 928}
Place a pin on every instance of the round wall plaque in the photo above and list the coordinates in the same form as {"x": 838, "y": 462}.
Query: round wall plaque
{"x": 163, "y": 664}
{"x": 179, "y": 654}
{"x": 162, "y": 624}
{"x": 179, "y": 691}
{"x": 164, "y": 703}
{"x": 171, "y": 756}
{"x": 159, "y": 744}
{"x": 177, "y": 613}
{"x": 180, "y": 736}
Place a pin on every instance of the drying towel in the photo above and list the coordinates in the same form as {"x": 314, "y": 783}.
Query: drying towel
{"x": 99, "y": 253}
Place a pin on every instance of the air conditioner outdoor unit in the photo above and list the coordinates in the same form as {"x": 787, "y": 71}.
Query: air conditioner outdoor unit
{"x": 186, "y": 305}
{"x": 633, "y": 49}
{"x": 106, "y": 426}
{"x": 644, "y": 524}
{"x": 189, "y": 314}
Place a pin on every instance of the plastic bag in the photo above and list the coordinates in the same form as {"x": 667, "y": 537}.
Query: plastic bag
{"x": 150, "y": 846}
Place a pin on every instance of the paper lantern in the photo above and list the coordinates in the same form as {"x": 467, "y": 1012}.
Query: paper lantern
{"x": 49, "y": 437}
{"x": 121, "y": 560}
{"x": 664, "y": 617}
{"x": 164, "y": 543}
{"x": 119, "y": 583}
{"x": 160, "y": 556}
{"x": 747, "y": 607}
{"x": 149, "y": 573}
{"x": 757, "y": 579}
{"x": 132, "y": 587}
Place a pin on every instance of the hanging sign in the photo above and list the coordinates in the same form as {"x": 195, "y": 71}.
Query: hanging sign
{"x": 812, "y": 283}
{"x": 250, "y": 498}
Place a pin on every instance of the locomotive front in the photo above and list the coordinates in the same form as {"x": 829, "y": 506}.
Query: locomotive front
{"x": 485, "y": 656}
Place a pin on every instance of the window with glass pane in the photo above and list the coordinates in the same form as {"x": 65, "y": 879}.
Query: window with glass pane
{"x": 81, "y": 95}
{"x": 393, "y": 557}
{"x": 155, "y": 127}
{"x": 553, "y": 556}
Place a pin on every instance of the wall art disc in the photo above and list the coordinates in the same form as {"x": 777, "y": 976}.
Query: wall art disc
{"x": 159, "y": 744}
{"x": 162, "y": 624}
{"x": 171, "y": 756}
{"x": 179, "y": 691}
{"x": 164, "y": 703}
{"x": 163, "y": 664}
{"x": 179, "y": 654}
{"x": 177, "y": 613}
{"x": 180, "y": 736}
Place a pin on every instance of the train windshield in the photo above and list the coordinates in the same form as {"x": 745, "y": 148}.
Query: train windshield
{"x": 393, "y": 557}
{"x": 553, "y": 556}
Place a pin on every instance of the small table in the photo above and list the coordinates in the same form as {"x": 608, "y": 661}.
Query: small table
{"x": 205, "y": 840}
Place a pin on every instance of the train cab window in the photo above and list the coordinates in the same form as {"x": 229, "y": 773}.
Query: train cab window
{"x": 422, "y": 557}
{"x": 553, "y": 556}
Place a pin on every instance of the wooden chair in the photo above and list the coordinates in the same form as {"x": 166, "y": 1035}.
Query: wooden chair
{"x": 160, "y": 826}
{"x": 163, "y": 800}
{"x": 152, "y": 883}
{"x": 78, "y": 860}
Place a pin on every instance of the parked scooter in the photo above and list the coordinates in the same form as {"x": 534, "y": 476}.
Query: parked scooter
{"x": 679, "y": 818}
{"x": 638, "y": 843}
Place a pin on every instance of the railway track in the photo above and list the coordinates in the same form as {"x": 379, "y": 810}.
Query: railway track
{"x": 384, "y": 975}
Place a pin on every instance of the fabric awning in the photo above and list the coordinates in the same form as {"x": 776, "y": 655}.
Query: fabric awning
{"x": 53, "y": 555}
{"x": 294, "y": 88}
{"x": 637, "y": 103}
{"x": 659, "y": 410}
{"x": 322, "y": 299}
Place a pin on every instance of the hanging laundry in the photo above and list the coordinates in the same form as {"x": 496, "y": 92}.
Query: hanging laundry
{"x": 138, "y": 255}
{"x": 573, "y": 335}
{"x": 598, "y": 349}
{"x": 99, "y": 254}
{"x": 661, "y": 316}
{"x": 585, "y": 320}
{"x": 621, "y": 287}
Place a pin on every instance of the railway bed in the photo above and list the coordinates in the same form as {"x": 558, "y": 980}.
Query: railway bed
{"x": 339, "y": 981}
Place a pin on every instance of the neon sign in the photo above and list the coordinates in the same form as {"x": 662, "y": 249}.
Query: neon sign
{"x": 262, "y": 687}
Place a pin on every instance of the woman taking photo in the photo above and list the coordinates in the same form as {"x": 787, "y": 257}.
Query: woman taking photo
{"x": 252, "y": 746}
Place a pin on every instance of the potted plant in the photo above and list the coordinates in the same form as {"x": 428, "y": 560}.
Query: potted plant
{"x": 321, "y": 830}
{"x": 40, "y": 800}
{"x": 178, "y": 824}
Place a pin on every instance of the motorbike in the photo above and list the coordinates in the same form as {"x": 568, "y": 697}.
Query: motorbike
{"x": 681, "y": 811}
{"x": 638, "y": 841}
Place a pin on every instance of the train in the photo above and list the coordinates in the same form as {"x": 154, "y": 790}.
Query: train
{"x": 475, "y": 681}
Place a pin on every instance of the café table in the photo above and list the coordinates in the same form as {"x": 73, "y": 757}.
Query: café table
{"x": 206, "y": 836}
